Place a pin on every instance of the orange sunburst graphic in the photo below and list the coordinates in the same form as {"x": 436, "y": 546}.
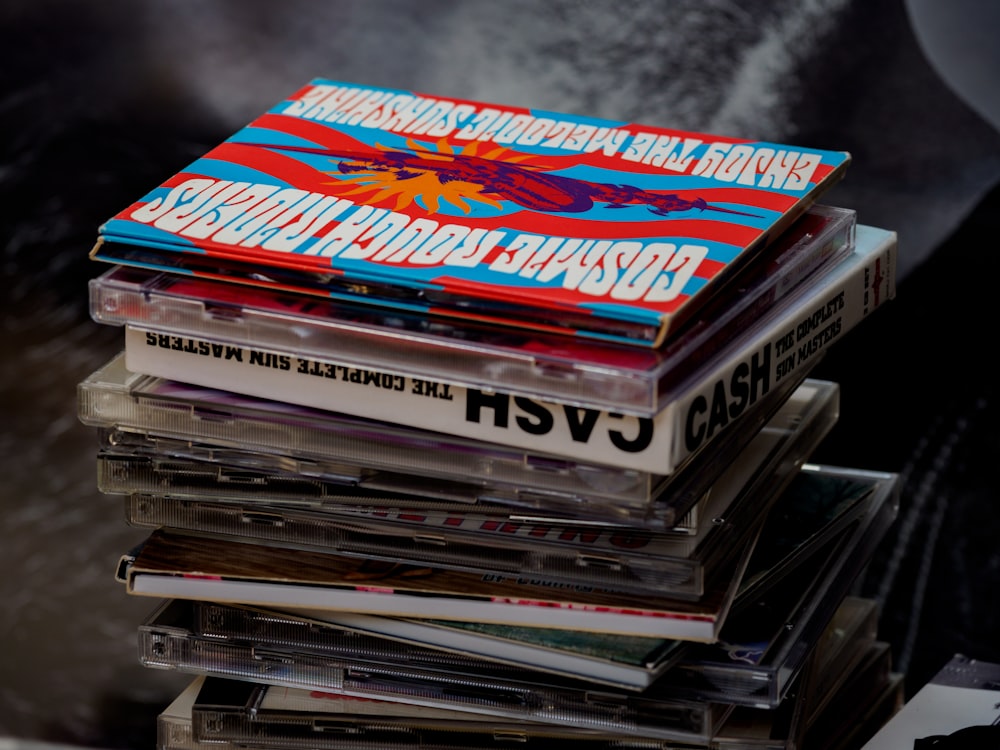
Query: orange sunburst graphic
{"x": 436, "y": 176}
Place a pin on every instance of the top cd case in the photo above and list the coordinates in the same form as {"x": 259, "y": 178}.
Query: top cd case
{"x": 586, "y": 373}
{"x": 542, "y": 220}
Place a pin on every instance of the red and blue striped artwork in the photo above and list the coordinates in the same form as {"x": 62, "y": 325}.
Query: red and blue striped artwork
{"x": 490, "y": 207}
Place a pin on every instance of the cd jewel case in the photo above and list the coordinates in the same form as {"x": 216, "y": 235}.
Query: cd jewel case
{"x": 167, "y": 641}
{"x": 222, "y": 713}
{"x": 590, "y": 240}
{"x": 750, "y": 665}
{"x": 763, "y": 359}
{"x": 775, "y": 619}
{"x": 227, "y": 642}
{"x": 133, "y": 405}
{"x": 594, "y": 374}
{"x": 492, "y": 540}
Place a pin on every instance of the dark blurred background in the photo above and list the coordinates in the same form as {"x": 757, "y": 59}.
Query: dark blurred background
{"x": 101, "y": 101}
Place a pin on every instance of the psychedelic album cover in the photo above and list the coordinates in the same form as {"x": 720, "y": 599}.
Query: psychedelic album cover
{"x": 477, "y": 211}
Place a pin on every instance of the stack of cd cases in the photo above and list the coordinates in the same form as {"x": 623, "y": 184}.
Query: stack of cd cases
{"x": 374, "y": 524}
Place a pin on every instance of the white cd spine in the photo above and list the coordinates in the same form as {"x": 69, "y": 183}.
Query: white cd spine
{"x": 785, "y": 344}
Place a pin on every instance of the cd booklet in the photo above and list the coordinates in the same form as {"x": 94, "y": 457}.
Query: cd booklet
{"x": 505, "y": 215}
